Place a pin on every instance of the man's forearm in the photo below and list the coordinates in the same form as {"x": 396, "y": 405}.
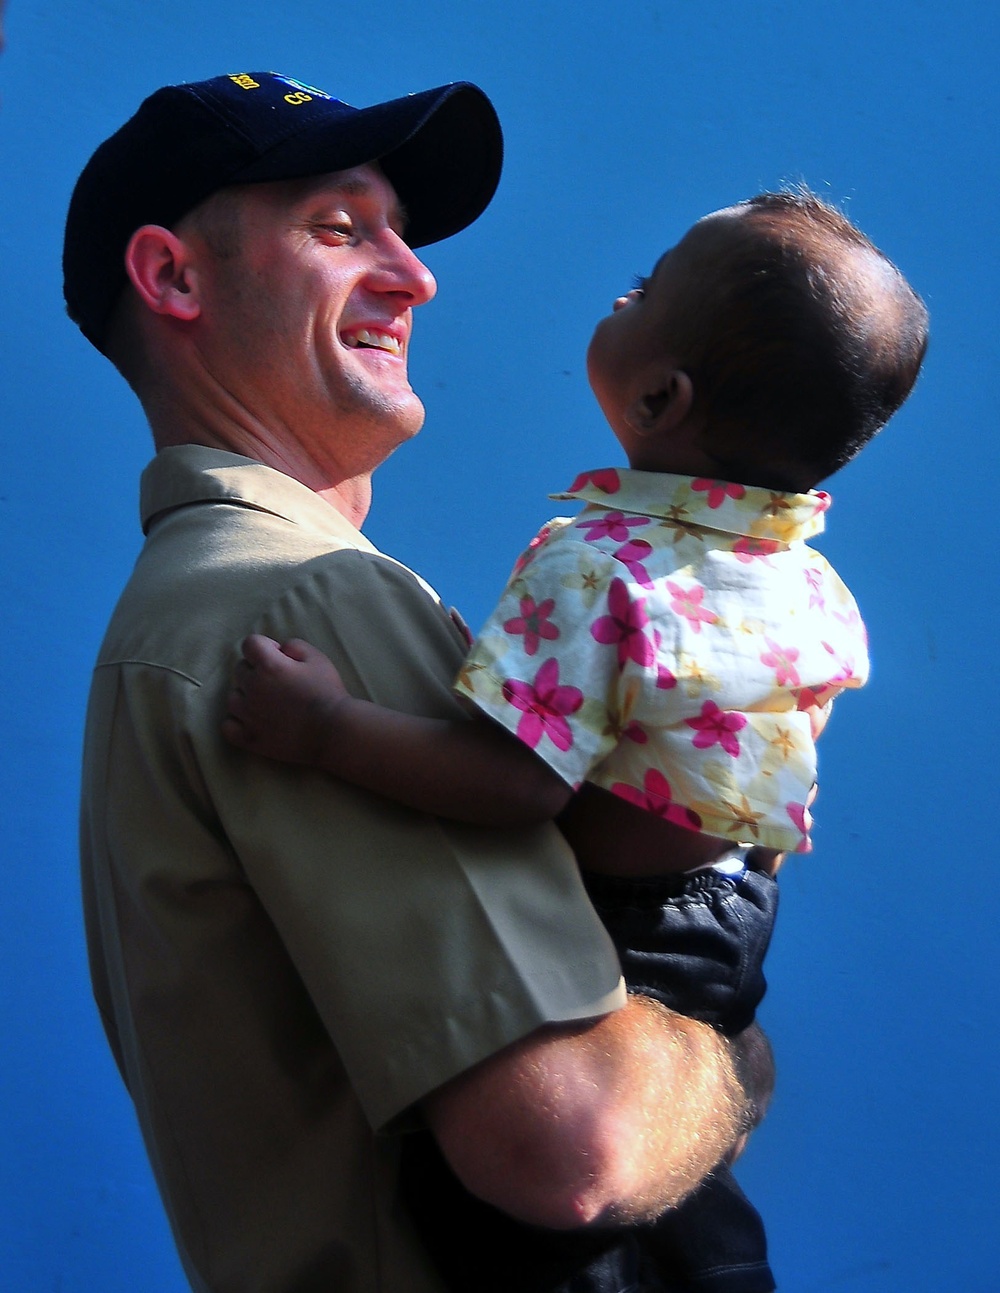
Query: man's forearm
{"x": 612, "y": 1121}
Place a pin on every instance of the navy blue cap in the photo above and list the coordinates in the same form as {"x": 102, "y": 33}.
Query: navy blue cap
{"x": 441, "y": 149}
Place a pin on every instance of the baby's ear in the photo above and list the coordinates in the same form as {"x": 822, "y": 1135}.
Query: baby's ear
{"x": 665, "y": 402}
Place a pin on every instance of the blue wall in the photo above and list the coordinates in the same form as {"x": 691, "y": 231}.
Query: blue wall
{"x": 875, "y": 1169}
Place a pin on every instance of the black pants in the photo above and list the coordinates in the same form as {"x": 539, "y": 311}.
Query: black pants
{"x": 696, "y": 942}
{"x": 713, "y": 1243}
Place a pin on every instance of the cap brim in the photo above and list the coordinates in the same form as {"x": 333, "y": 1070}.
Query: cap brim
{"x": 441, "y": 149}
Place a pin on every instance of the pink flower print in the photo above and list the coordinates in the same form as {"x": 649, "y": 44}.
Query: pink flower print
{"x": 623, "y": 627}
{"x": 717, "y": 490}
{"x": 716, "y": 726}
{"x": 533, "y": 623}
{"x": 782, "y": 661}
{"x": 845, "y": 665}
{"x": 630, "y": 731}
{"x": 621, "y": 726}
{"x": 687, "y": 602}
{"x": 802, "y": 821}
{"x": 632, "y": 555}
{"x": 656, "y": 797}
{"x": 610, "y": 525}
{"x": 822, "y": 501}
{"x": 606, "y": 480}
{"x": 528, "y": 555}
{"x": 853, "y": 621}
{"x": 814, "y": 578}
{"x": 545, "y": 706}
{"x": 665, "y": 680}
{"x": 748, "y": 549}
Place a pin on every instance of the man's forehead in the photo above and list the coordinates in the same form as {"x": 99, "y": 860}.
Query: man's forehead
{"x": 367, "y": 183}
{"x": 359, "y": 181}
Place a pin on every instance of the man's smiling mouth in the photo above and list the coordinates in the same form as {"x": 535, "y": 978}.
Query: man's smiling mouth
{"x": 366, "y": 339}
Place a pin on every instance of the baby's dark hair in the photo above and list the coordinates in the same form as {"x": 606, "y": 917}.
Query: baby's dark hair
{"x": 801, "y": 338}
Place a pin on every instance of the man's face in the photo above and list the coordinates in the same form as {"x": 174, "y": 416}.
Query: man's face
{"x": 307, "y": 312}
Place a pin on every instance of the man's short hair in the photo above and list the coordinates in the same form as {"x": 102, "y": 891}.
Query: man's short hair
{"x": 801, "y": 338}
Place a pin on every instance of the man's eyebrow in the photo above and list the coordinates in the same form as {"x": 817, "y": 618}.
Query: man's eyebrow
{"x": 358, "y": 187}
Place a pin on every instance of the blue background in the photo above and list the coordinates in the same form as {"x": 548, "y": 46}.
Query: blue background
{"x": 876, "y": 1169}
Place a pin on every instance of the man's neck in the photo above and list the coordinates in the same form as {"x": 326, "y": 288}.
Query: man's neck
{"x": 350, "y": 494}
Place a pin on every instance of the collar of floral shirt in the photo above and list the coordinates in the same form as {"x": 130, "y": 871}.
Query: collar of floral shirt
{"x": 697, "y": 500}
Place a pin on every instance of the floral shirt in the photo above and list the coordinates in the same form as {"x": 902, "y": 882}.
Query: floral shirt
{"x": 665, "y": 643}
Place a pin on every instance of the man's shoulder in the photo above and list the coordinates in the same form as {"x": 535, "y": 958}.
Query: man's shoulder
{"x": 202, "y": 584}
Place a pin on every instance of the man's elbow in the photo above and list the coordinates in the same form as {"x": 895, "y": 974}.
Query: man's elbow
{"x": 613, "y": 1120}
{"x": 556, "y": 1177}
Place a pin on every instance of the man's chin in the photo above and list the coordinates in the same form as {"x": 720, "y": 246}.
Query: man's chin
{"x": 385, "y": 422}
{"x": 410, "y": 414}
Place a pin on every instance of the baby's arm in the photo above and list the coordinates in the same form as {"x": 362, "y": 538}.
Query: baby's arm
{"x": 288, "y": 702}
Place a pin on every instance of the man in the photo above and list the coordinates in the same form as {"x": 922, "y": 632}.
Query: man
{"x": 290, "y": 971}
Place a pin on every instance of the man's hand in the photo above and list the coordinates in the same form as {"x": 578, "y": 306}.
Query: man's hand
{"x": 284, "y": 700}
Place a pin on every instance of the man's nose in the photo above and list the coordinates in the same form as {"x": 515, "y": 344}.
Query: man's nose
{"x": 400, "y": 269}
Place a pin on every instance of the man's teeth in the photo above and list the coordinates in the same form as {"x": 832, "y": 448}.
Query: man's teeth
{"x": 373, "y": 341}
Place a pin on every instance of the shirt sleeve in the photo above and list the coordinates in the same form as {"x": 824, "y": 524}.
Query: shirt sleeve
{"x": 548, "y": 664}
{"x": 426, "y": 945}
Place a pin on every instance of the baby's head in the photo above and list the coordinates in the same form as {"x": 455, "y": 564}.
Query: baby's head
{"x": 767, "y": 347}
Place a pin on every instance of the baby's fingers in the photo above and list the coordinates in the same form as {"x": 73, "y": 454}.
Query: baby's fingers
{"x": 235, "y": 728}
{"x": 258, "y": 650}
{"x": 303, "y": 652}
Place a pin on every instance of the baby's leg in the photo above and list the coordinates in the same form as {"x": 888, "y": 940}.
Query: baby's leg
{"x": 694, "y": 942}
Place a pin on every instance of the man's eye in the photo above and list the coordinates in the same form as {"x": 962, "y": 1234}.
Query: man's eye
{"x": 338, "y": 230}
{"x": 638, "y": 284}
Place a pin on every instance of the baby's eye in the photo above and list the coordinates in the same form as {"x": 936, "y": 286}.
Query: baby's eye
{"x": 638, "y": 284}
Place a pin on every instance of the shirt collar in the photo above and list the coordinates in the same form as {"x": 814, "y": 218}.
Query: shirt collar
{"x": 710, "y": 504}
{"x": 189, "y": 473}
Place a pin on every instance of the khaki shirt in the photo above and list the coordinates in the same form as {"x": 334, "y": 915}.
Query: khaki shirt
{"x": 284, "y": 964}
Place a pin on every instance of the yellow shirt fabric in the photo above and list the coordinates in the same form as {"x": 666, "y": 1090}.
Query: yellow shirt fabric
{"x": 665, "y": 644}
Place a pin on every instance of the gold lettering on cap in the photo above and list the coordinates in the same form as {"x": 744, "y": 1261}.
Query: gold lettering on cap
{"x": 245, "y": 81}
{"x": 297, "y": 98}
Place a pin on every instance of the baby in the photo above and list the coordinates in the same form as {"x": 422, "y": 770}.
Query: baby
{"x": 659, "y": 665}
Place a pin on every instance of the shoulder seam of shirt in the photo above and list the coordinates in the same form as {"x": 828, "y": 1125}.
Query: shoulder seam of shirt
{"x": 147, "y": 664}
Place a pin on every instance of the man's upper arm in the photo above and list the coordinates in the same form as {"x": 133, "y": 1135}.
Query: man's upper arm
{"x": 426, "y": 945}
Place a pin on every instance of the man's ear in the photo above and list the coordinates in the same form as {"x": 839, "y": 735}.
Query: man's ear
{"x": 666, "y": 400}
{"x": 160, "y": 267}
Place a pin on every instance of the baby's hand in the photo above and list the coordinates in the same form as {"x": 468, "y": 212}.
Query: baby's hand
{"x": 283, "y": 700}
